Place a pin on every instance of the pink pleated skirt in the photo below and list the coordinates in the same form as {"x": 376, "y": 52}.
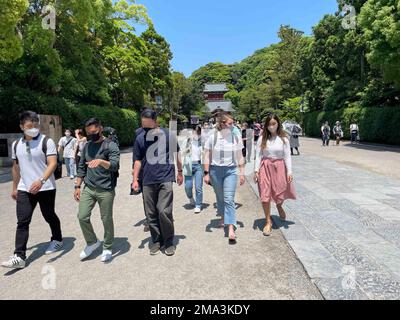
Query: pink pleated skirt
{"x": 272, "y": 182}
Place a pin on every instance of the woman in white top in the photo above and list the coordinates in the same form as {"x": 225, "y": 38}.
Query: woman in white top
{"x": 192, "y": 168}
{"x": 223, "y": 150}
{"x": 273, "y": 169}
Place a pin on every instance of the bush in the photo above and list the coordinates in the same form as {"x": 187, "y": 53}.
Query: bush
{"x": 15, "y": 100}
{"x": 377, "y": 124}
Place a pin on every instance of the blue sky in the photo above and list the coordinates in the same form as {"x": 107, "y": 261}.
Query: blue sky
{"x": 203, "y": 31}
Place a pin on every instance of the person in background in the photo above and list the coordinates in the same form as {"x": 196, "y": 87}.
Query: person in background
{"x": 223, "y": 156}
{"x": 273, "y": 170}
{"x": 257, "y": 132}
{"x": 354, "y": 132}
{"x": 98, "y": 168}
{"x": 294, "y": 140}
{"x": 244, "y": 139}
{"x": 68, "y": 143}
{"x": 193, "y": 169}
{"x": 81, "y": 141}
{"x": 326, "y": 133}
{"x": 338, "y": 132}
{"x": 35, "y": 160}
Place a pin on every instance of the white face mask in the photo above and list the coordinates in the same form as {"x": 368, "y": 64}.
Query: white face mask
{"x": 273, "y": 129}
{"x": 33, "y": 133}
{"x": 67, "y": 134}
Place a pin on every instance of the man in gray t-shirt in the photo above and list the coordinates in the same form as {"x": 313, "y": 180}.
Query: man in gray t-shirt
{"x": 98, "y": 168}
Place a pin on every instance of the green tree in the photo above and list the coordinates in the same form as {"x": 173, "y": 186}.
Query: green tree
{"x": 11, "y": 14}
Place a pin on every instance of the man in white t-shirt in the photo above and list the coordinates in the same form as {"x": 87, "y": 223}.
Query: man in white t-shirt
{"x": 354, "y": 132}
{"x": 68, "y": 144}
{"x": 35, "y": 160}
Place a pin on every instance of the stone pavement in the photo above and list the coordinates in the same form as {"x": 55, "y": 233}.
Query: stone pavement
{"x": 345, "y": 225}
{"x": 204, "y": 267}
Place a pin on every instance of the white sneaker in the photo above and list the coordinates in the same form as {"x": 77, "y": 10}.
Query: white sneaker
{"x": 89, "y": 250}
{"x": 197, "y": 210}
{"x": 15, "y": 262}
{"x": 54, "y": 246}
{"x": 106, "y": 255}
{"x": 192, "y": 202}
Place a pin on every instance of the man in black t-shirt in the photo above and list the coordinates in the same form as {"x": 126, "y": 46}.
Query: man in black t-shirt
{"x": 154, "y": 154}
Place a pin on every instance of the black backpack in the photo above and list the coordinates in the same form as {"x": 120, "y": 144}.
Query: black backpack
{"x": 58, "y": 171}
{"x": 111, "y": 134}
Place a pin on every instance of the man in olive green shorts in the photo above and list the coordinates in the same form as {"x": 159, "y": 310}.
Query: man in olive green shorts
{"x": 98, "y": 168}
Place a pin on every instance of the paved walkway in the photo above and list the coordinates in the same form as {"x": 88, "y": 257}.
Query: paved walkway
{"x": 204, "y": 267}
{"x": 341, "y": 240}
{"x": 345, "y": 225}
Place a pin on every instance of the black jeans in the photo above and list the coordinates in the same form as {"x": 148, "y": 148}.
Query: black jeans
{"x": 354, "y": 135}
{"x": 158, "y": 201}
{"x": 26, "y": 204}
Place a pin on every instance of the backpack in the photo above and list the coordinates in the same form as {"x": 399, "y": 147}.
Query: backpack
{"x": 105, "y": 147}
{"x": 58, "y": 171}
{"x": 111, "y": 134}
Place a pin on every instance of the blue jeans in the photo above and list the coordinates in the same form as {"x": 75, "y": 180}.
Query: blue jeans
{"x": 224, "y": 181}
{"x": 71, "y": 167}
{"x": 197, "y": 174}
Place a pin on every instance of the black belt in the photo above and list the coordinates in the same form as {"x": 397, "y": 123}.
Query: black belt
{"x": 196, "y": 162}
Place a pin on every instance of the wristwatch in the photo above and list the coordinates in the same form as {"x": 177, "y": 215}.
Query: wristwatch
{"x": 77, "y": 187}
{"x": 43, "y": 181}
{"x": 206, "y": 173}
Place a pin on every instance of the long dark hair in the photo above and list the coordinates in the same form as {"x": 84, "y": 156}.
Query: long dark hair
{"x": 266, "y": 134}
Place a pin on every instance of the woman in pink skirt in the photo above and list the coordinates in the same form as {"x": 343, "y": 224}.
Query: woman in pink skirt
{"x": 273, "y": 169}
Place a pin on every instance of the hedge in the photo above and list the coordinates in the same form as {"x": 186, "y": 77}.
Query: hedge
{"x": 15, "y": 100}
{"x": 380, "y": 125}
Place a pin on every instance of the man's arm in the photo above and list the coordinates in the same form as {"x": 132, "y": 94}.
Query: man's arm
{"x": 136, "y": 170}
{"x": 16, "y": 175}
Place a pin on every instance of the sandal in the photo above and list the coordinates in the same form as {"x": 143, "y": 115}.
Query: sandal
{"x": 267, "y": 230}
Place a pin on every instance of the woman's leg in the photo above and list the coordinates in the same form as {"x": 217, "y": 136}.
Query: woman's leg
{"x": 189, "y": 186}
{"x": 230, "y": 184}
{"x": 282, "y": 213}
{"x": 198, "y": 182}
{"x": 218, "y": 183}
{"x": 268, "y": 222}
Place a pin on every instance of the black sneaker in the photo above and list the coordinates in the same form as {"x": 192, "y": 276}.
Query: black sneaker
{"x": 155, "y": 249}
{"x": 170, "y": 251}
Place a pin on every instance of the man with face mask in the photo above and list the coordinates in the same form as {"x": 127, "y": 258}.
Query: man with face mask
{"x": 35, "y": 160}
{"x": 68, "y": 144}
{"x": 98, "y": 168}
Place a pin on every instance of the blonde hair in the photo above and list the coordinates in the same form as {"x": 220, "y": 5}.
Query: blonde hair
{"x": 223, "y": 117}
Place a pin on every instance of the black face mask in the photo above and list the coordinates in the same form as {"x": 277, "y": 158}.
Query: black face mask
{"x": 93, "y": 137}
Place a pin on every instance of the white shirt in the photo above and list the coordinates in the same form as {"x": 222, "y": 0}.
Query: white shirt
{"x": 33, "y": 165}
{"x": 353, "y": 127}
{"x": 69, "y": 150}
{"x": 196, "y": 149}
{"x": 277, "y": 148}
{"x": 227, "y": 146}
{"x": 81, "y": 145}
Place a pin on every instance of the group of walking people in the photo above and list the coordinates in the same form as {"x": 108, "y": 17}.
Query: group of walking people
{"x": 160, "y": 159}
{"x": 338, "y": 133}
